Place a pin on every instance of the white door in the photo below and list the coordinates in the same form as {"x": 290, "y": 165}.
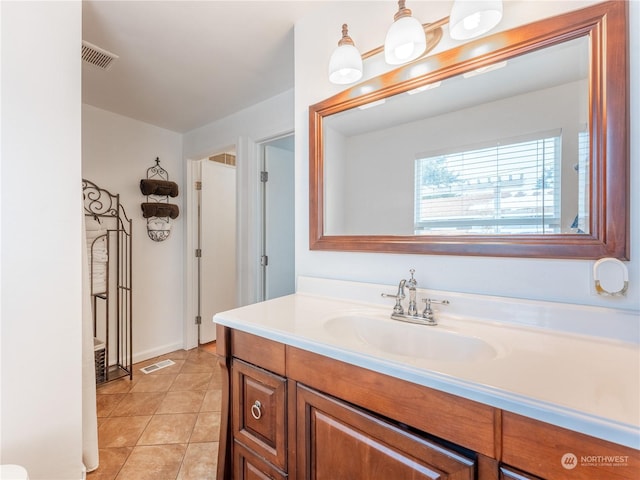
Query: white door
{"x": 278, "y": 198}
{"x": 218, "y": 244}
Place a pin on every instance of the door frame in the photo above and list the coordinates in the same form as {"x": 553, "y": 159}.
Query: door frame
{"x": 248, "y": 225}
{"x": 261, "y": 227}
{"x": 190, "y": 289}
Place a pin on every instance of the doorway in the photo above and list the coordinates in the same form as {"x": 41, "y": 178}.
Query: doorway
{"x": 216, "y": 252}
{"x": 277, "y": 259}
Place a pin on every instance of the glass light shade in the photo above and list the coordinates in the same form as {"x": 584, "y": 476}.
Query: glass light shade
{"x": 405, "y": 41}
{"x": 345, "y": 65}
{"x": 472, "y": 18}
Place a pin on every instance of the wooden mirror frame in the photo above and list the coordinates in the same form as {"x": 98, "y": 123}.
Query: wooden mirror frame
{"x": 606, "y": 24}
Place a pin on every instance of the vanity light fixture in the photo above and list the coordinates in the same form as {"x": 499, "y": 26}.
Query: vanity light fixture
{"x": 405, "y": 40}
{"x": 345, "y": 65}
{"x": 408, "y": 39}
{"x": 472, "y": 18}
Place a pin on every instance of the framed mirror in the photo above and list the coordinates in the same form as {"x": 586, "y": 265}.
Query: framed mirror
{"x": 512, "y": 145}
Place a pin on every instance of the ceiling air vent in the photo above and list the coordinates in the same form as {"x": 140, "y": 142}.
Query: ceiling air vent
{"x": 97, "y": 56}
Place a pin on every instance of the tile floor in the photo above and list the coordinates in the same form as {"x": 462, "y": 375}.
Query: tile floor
{"x": 163, "y": 425}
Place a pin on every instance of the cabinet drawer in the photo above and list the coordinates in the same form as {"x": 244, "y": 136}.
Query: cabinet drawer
{"x": 338, "y": 441}
{"x": 259, "y": 411}
{"x": 248, "y": 466}
{"x": 548, "y": 451}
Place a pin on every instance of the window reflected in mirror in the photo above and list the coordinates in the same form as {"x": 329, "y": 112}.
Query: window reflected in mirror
{"x": 509, "y": 188}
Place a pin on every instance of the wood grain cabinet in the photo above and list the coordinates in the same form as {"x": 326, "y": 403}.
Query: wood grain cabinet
{"x": 339, "y": 442}
{"x": 294, "y": 414}
{"x": 259, "y": 420}
{"x": 508, "y": 473}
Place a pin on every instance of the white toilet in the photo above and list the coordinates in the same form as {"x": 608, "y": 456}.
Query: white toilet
{"x": 13, "y": 472}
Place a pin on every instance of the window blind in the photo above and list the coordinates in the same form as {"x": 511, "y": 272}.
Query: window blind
{"x": 507, "y": 188}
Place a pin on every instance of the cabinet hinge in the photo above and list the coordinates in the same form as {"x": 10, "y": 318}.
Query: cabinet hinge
{"x": 264, "y": 176}
{"x": 198, "y": 320}
{"x": 198, "y": 185}
{"x": 264, "y": 261}
{"x": 198, "y": 252}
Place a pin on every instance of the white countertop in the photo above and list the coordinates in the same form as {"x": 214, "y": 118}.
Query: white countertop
{"x": 542, "y": 367}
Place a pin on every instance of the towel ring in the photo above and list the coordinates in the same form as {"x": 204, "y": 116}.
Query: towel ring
{"x": 625, "y": 277}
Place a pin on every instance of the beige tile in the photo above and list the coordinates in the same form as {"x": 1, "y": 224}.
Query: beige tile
{"x": 170, "y": 428}
{"x": 97, "y": 475}
{"x": 200, "y": 462}
{"x": 209, "y": 348}
{"x": 153, "y": 383}
{"x": 122, "y": 385}
{"x": 181, "y": 402}
{"x": 135, "y": 404}
{"x": 106, "y": 403}
{"x": 191, "y": 381}
{"x": 111, "y": 461}
{"x": 216, "y": 383}
{"x": 121, "y": 431}
{"x": 207, "y": 428}
{"x": 153, "y": 462}
{"x": 212, "y": 401}
{"x": 186, "y": 410}
{"x": 199, "y": 361}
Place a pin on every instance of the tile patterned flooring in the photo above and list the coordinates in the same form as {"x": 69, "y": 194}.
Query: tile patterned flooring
{"x": 163, "y": 425}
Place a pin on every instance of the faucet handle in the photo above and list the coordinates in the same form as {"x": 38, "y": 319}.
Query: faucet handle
{"x": 398, "y": 306}
{"x": 428, "y": 313}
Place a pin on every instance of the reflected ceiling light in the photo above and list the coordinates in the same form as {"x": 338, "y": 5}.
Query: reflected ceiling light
{"x": 345, "y": 65}
{"x": 472, "y": 18}
{"x": 372, "y": 104}
{"x": 424, "y": 88}
{"x": 405, "y": 40}
{"x": 488, "y": 68}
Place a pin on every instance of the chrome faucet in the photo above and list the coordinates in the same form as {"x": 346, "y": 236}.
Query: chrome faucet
{"x": 412, "y": 315}
{"x": 397, "y": 309}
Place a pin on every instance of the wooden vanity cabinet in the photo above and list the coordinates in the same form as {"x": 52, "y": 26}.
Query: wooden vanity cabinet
{"x": 339, "y": 442}
{"x": 323, "y": 419}
{"x": 549, "y": 451}
{"x": 249, "y": 466}
{"x": 259, "y": 412}
{"x": 508, "y": 473}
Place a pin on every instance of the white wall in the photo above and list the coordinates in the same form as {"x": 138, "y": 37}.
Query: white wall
{"x": 116, "y": 152}
{"x": 41, "y": 221}
{"x": 562, "y": 280}
{"x": 244, "y": 129}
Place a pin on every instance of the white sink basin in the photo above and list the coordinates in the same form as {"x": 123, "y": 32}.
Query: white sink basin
{"x": 409, "y": 340}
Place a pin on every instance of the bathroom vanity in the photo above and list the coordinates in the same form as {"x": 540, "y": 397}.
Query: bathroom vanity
{"x": 305, "y": 399}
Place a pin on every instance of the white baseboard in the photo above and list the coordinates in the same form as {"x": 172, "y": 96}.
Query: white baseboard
{"x": 155, "y": 352}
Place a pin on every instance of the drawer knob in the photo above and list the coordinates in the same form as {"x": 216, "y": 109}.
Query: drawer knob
{"x": 256, "y": 411}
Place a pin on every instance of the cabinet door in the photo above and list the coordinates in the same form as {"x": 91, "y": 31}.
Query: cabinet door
{"x": 339, "y": 442}
{"x": 248, "y": 466}
{"x": 259, "y": 411}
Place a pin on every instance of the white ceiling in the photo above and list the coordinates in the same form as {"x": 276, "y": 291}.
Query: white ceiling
{"x": 183, "y": 64}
